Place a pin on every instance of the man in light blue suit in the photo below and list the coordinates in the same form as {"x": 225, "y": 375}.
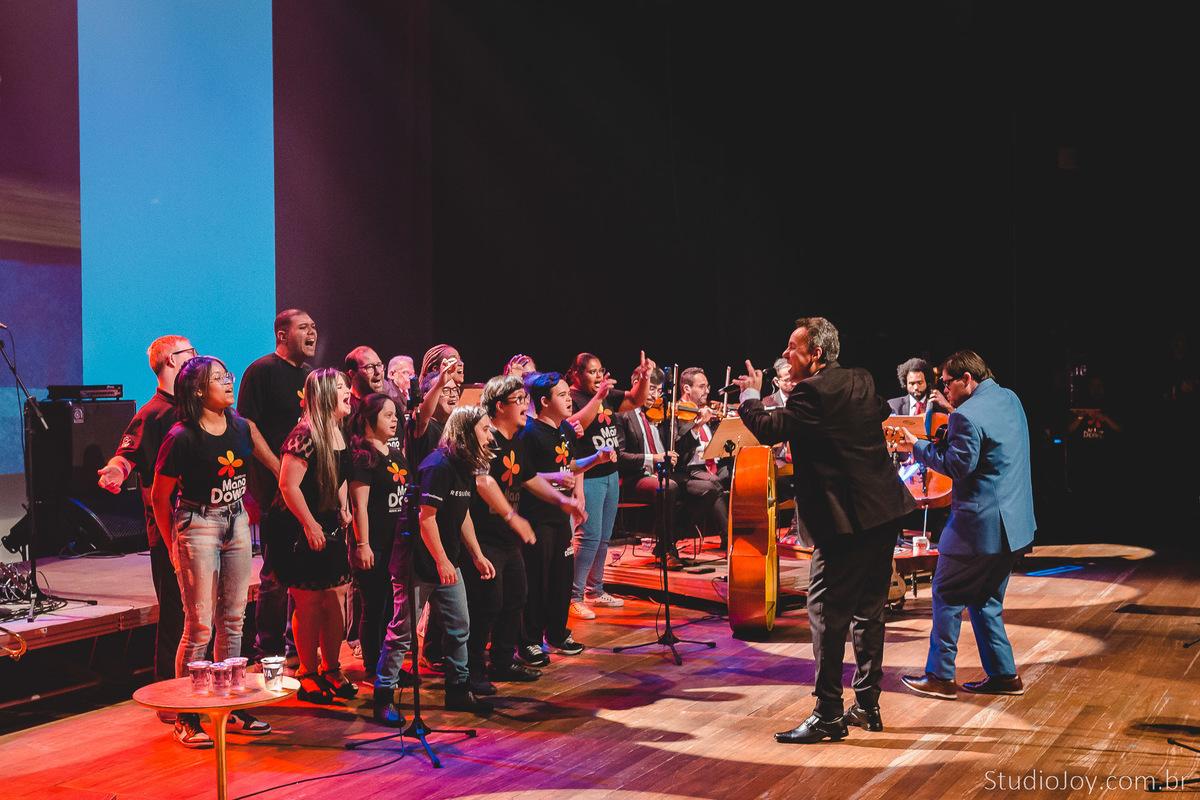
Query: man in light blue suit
{"x": 986, "y": 452}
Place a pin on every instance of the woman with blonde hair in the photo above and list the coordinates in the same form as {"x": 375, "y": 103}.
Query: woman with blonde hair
{"x": 314, "y": 513}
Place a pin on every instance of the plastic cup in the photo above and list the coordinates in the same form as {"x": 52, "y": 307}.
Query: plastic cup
{"x": 201, "y": 673}
{"x": 920, "y": 545}
{"x": 237, "y": 673}
{"x": 272, "y": 667}
{"x": 221, "y": 677}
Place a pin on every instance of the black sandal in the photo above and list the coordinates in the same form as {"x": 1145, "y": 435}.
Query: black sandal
{"x": 314, "y": 689}
{"x": 339, "y": 685}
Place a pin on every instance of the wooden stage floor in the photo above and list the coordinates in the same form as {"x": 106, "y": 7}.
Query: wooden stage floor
{"x": 1106, "y": 690}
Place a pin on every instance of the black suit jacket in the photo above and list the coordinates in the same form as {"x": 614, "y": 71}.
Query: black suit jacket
{"x": 631, "y": 445}
{"x": 685, "y": 443}
{"x": 845, "y": 482}
{"x": 899, "y": 405}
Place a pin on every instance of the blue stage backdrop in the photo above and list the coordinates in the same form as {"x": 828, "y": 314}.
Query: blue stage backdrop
{"x": 176, "y": 182}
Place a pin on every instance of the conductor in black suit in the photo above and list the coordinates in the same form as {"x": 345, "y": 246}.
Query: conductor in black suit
{"x": 850, "y": 500}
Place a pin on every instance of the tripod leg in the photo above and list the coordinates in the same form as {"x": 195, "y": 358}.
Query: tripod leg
{"x": 433, "y": 759}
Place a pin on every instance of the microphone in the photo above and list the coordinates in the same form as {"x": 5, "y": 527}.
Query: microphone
{"x": 733, "y": 386}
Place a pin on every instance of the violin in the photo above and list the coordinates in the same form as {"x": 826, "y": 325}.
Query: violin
{"x": 685, "y": 411}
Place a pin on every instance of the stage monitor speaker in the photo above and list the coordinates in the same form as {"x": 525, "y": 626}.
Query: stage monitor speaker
{"x": 74, "y": 514}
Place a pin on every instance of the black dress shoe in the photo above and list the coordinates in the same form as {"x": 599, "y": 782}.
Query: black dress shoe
{"x": 996, "y": 685}
{"x": 868, "y": 718}
{"x": 482, "y": 686}
{"x": 814, "y": 729}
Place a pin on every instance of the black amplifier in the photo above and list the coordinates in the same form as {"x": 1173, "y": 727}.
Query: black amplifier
{"x": 100, "y": 391}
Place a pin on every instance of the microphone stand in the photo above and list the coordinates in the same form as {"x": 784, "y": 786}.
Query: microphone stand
{"x": 36, "y": 595}
{"x": 410, "y": 527}
{"x": 664, "y": 512}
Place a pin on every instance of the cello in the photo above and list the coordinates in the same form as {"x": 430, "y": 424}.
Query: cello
{"x": 753, "y": 557}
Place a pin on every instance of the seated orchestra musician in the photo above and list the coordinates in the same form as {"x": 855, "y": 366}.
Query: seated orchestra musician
{"x": 704, "y": 481}
{"x": 640, "y": 450}
{"x": 916, "y": 378}
{"x": 783, "y": 385}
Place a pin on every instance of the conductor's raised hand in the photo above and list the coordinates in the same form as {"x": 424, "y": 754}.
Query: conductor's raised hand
{"x": 753, "y": 379}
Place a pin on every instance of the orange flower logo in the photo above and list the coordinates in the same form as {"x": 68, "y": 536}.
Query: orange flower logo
{"x": 229, "y": 464}
{"x": 604, "y": 416}
{"x": 511, "y": 467}
{"x": 398, "y": 475}
{"x": 561, "y": 454}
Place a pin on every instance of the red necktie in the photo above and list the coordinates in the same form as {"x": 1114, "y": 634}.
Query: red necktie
{"x": 920, "y": 407}
{"x": 710, "y": 464}
{"x": 649, "y": 434}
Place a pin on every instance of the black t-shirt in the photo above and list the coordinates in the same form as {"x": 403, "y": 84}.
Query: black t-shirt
{"x": 144, "y": 436}
{"x": 270, "y": 396}
{"x": 511, "y": 470}
{"x": 447, "y": 486}
{"x": 602, "y": 432}
{"x": 388, "y": 478}
{"x": 299, "y": 444}
{"x": 547, "y": 449}
{"x": 211, "y": 470}
{"x": 427, "y": 443}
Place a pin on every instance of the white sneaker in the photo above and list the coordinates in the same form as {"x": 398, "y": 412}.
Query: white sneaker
{"x": 580, "y": 609}
{"x": 604, "y": 599}
{"x": 189, "y": 733}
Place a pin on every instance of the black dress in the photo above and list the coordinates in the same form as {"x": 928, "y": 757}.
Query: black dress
{"x": 298, "y": 565}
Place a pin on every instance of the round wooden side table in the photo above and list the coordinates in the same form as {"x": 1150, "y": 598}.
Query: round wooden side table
{"x": 177, "y": 695}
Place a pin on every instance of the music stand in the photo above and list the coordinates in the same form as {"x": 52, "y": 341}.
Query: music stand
{"x": 470, "y": 394}
{"x": 730, "y": 436}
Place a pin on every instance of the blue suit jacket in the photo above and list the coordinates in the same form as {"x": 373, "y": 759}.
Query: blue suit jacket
{"x": 986, "y": 453}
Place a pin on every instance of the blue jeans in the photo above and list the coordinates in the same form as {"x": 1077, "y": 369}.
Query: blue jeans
{"x": 601, "y": 496}
{"x": 449, "y": 607}
{"x": 212, "y": 556}
{"x": 976, "y": 583}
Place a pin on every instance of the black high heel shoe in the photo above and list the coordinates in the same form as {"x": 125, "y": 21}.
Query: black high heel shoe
{"x": 314, "y": 689}
{"x": 339, "y": 684}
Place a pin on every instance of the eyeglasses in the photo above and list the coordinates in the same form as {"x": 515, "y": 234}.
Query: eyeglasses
{"x": 451, "y": 391}
{"x": 191, "y": 350}
{"x": 375, "y": 366}
{"x": 227, "y": 379}
{"x": 947, "y": 380}
{"x": 517, "y": 398}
